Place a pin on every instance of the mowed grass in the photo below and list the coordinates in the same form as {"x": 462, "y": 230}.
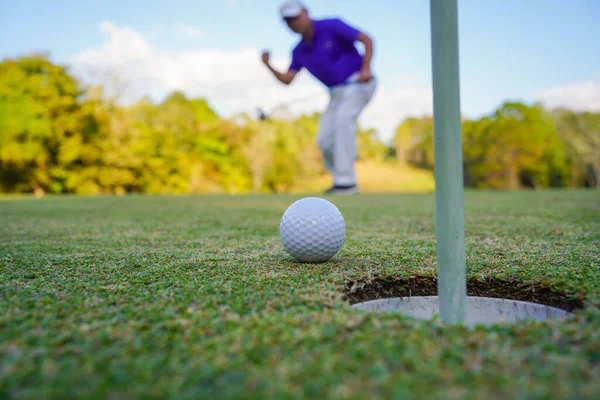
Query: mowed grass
{"x": 191, "y": 297}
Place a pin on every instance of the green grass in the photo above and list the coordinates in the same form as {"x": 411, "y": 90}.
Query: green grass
{"x": 188, "y": 297}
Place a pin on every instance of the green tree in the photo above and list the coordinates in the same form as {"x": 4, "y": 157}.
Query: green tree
{"x": 522, "y": 148}
{"x": 580, "y": 133}
{"x": 182, "y": 146}
{"x": 476, "y": 142}
{"x": 369, "y": 146}
{"x": 45, "y": 133}
{"x": 413, "y": 141}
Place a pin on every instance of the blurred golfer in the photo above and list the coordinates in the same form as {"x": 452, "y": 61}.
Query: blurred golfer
{"x": 326, "y": 49}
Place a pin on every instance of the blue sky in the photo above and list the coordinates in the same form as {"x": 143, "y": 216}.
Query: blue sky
{"x": 509, "y": 49}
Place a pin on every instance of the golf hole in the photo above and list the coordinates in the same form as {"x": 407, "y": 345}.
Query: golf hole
{"x": 488, "y": 302}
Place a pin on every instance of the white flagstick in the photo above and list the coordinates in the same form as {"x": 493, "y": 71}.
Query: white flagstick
{"x": 448, "y": 161}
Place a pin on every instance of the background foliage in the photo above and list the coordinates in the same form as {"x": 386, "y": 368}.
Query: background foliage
{"x": 59, "y": 136}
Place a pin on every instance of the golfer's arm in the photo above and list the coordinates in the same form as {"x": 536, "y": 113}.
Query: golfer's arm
{"x": 284, "y": 77}
{"x": 368, "y": 42}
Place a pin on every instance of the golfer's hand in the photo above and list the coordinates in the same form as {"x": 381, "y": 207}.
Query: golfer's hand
{"x": 364, "y": 76}
{"x": 265, "y": 57}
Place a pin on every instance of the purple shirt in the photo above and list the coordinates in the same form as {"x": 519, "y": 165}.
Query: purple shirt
{"x": 331, "y": 57}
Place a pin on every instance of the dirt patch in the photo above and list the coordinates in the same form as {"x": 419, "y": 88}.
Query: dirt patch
{"x": 379, "y": 288}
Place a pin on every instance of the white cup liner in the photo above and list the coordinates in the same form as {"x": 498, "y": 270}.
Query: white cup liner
{"x": 479, "y": 310}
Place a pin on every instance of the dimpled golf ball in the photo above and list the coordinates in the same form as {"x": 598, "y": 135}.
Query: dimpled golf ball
{"x": 312, "y": 230}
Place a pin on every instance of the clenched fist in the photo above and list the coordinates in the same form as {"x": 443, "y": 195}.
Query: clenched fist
{"x": 265, "y": 57}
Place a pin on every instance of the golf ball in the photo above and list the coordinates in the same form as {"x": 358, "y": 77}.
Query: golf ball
{"x": 312, "y": 229}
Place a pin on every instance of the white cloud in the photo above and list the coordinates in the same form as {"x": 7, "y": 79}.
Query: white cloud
{"x": 233, "y": 81}
{"x": 121, "y": 43}
{"x": 583, "y": 96}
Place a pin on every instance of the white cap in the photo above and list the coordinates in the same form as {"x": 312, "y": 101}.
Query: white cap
{"x": 291, "y": 9}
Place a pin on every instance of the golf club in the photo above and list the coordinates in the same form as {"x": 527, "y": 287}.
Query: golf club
{"x": 263, "y": 116}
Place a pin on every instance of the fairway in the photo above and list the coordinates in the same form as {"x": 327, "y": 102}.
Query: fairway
{"x": 194, "y": 296}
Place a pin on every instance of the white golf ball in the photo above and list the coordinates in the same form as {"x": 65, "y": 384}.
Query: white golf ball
{"x": 312, "y": 229}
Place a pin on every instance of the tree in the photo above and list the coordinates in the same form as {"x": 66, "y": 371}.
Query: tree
{"x": 516, "y": 146}
{"x": 44, "y": 130}
{"x": 59, "y": 136}
{"x": 414, "y": 141}
{"x": 580, "y": 133}
{"x": 369, "y": 146}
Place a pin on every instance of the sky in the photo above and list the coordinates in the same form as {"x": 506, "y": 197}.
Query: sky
{"x": 528, "y": 51}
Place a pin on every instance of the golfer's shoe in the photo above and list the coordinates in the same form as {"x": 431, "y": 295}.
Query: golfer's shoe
{"x": 338, "y": 189}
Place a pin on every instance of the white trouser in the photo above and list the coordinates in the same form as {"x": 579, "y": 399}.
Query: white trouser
{"x": 337, "y": 131}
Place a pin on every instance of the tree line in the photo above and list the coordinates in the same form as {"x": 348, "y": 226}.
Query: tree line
{"x": 60, "y": 136}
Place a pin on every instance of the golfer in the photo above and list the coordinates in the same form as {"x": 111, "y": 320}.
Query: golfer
{"x": 326, "y": 49}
